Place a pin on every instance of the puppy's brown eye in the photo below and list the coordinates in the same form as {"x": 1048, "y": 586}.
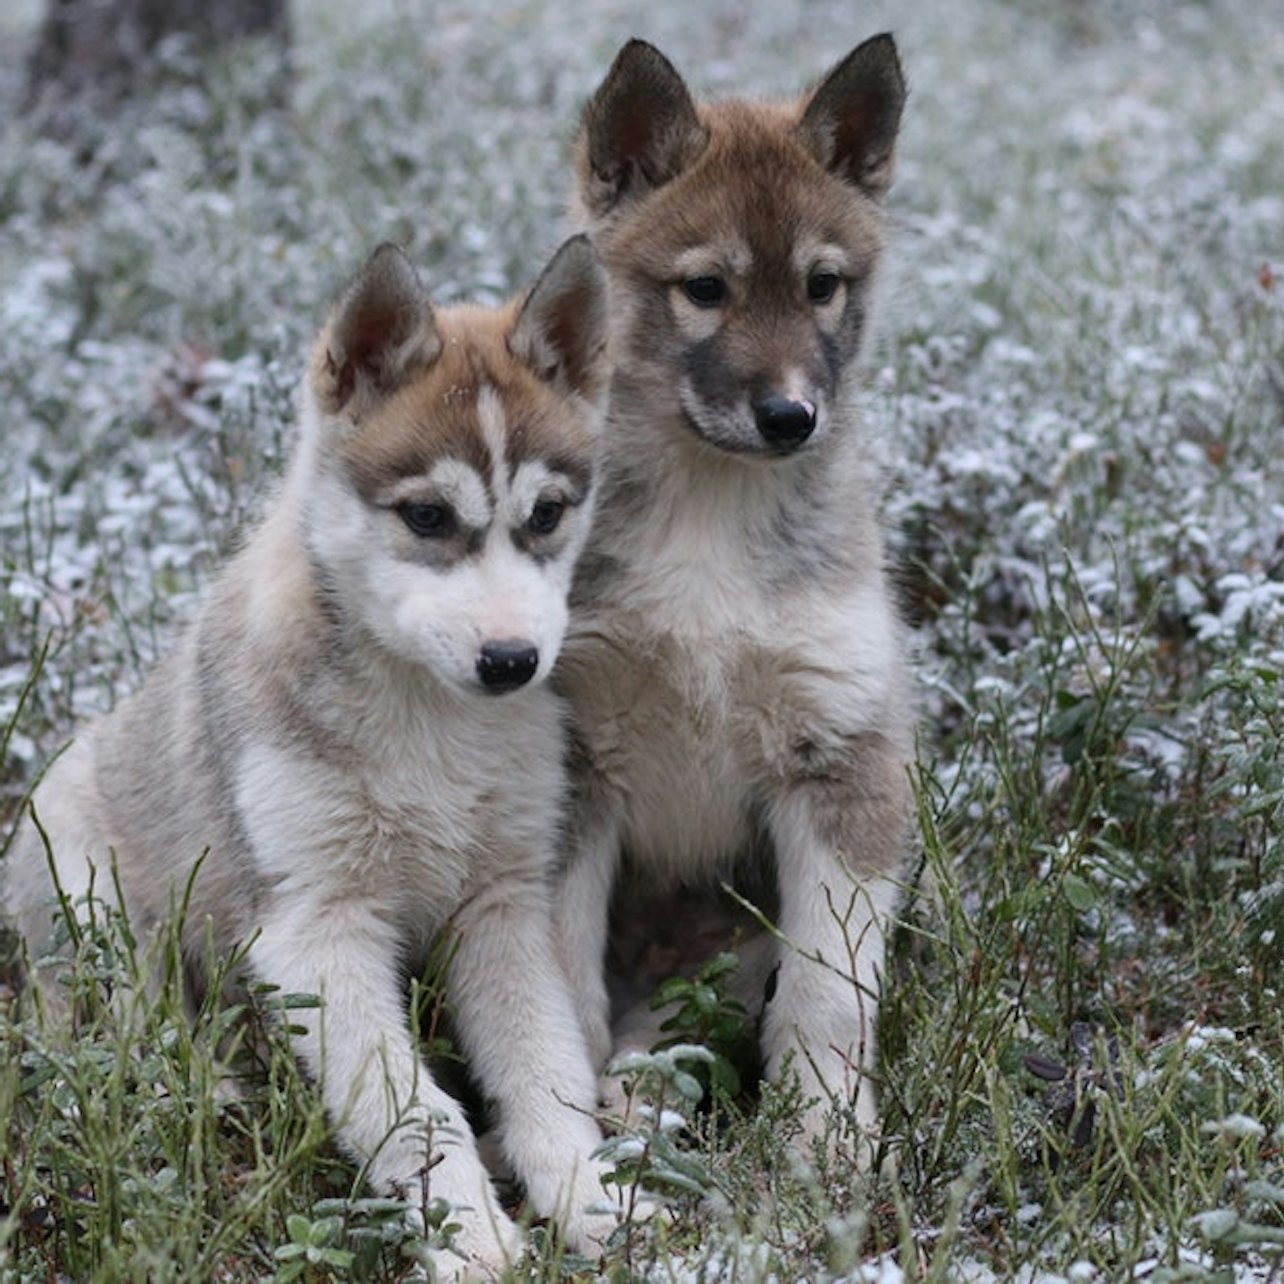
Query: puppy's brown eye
{"x": 428, "y": 521}
{"x": 822, "y": 286}
{"x": 545, "y": 516}
{"x": 705, "y": 291}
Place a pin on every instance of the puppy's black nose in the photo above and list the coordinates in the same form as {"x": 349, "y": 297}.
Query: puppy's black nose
{"x": 507, "y": 665}
{"x": 784, "y": 423}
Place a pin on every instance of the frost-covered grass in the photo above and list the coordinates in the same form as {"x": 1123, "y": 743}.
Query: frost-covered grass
{"x": 1080, "y": 400}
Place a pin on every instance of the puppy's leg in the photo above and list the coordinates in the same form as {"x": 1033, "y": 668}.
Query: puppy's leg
{"x": 61, "y": 839}
{"x": 518, "y": 1024}
{"x": 581, "y": 920}
{"x": 388, "y": 1112}
{"x": 838, "y": 840}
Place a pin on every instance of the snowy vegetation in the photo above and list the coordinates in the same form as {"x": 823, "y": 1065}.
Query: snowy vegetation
{"x": 1079, "y": 403}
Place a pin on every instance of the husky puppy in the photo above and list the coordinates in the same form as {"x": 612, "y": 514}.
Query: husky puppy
{"x": 357, "y": 733}
{"x": 735, "y": 666}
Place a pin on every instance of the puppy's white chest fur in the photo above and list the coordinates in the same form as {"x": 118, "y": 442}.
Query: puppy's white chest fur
{"x": 418, "y": 820}
{"x": 690, "y": 728}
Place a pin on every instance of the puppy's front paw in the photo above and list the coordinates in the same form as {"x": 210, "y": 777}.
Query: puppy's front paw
{"x": 475, "y": 1251}
{"x": 466, "y": 1234}
{"x": 460, "y": 1266}
{"x": 597, "y": 1208}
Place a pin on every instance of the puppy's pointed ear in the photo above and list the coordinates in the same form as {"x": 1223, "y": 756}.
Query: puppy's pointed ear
{"x": 851, "y": 120}
{"x": 639, "y": 130}
{"x": 560, "y": 332}
{"x": 380, "y": 333}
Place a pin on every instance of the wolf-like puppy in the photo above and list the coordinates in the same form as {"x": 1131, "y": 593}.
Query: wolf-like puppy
{"x": 735, "y": 666}
{"x": 357, "y": 732}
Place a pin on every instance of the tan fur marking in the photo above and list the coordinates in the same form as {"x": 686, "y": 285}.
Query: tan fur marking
{"x": 438, "y": 414}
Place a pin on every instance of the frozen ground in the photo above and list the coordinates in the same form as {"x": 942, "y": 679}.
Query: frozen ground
{"x": 1079, "y": 401}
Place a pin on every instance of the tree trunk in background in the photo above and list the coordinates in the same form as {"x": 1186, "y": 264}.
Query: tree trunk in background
{"x": 95, "y": 53}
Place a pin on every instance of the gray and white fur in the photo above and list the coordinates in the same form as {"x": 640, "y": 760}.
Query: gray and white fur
{"x": 735, "y": 666}
{"x": 357, "y": 731}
